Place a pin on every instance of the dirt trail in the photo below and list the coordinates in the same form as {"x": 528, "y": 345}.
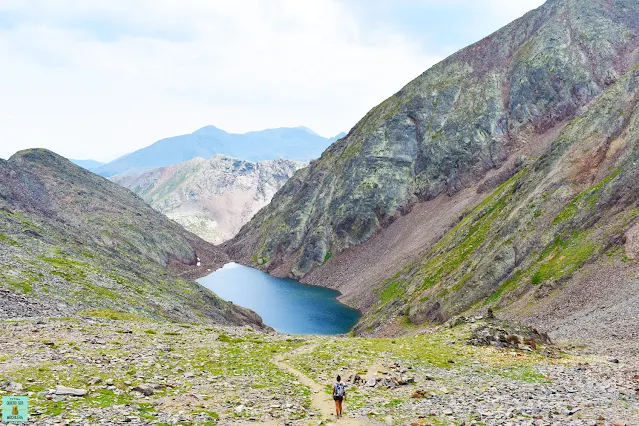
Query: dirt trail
{"x": 319, "y": 399}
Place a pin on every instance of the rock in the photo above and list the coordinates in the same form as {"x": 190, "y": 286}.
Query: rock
{"x": 240, "y": 408}
{"x": 12, "y": 386}
{"x": 109, "y": 382}
{"x": 63, "y": 390}
{"x": 94, "y": 381}
{"x": 189, "y": 375}
{"x": 371, "y": 382}
{"x": 448, "y": 412}
{"x": 419, "y": 394}
{"x": 404, "y": 380}
{"x": 614, "y": 360}
{"x": 146, "y": 390}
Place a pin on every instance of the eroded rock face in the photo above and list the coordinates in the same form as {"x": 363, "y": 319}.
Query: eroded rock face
{"x": 212, "y": 198}
{"x": 445, "y": 130}
{"x": 632, "y": 243}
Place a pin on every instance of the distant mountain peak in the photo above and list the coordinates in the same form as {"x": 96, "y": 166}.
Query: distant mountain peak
{"x": 306, "y": 129}
{"x": 291, "y": 143}
{"x": 208, "y": 130}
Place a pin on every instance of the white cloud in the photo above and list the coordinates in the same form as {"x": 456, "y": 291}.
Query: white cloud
{"x": 96, "y": 79}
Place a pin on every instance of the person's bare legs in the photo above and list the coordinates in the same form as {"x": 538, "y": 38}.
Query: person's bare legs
{"x": 337, "y": 408}
{"x": 340, "y": 408}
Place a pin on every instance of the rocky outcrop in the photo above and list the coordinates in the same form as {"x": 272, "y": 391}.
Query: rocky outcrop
{"x": 212, "y": 198}
{"x": 412, "y": 192}
{"x": 71, "y": 241}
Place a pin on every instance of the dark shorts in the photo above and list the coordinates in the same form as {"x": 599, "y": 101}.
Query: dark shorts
{"x": 338, "y": 398}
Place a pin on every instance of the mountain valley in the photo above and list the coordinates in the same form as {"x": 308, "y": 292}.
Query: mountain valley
{"x": 483, "y": 222}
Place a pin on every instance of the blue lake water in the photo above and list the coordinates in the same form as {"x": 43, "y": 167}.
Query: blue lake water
{"x": 286, "y": 305}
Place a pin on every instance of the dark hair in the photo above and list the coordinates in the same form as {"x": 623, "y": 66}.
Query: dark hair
{"x": 339, "y": 378}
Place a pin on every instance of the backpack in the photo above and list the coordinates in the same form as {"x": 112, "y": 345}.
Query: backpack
{"x": 339, "y": 389}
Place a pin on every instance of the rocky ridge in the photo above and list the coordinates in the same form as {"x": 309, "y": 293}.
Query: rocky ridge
{"x": 72, "y": 241}
{"x": 212, "y": 198}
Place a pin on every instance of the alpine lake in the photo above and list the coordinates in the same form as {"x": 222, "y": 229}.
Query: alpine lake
{"x": 284, "y": 304}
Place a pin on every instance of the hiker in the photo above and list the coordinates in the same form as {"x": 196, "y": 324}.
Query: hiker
{"x": 339, "y": 393}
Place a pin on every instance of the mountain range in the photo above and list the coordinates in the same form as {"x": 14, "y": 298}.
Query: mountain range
{"x": 212, "y": 197}
{"x": 291, "y": 143}
{"x": 504, "y": 177}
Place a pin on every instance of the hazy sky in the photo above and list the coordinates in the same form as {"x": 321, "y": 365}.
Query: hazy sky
{"x": 100, "y": 78}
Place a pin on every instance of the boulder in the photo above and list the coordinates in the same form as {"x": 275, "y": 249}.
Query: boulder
{"x": 12, "y": 386}
{"x": 63, "y": 390}
{"x": 94, "y": 381}
{"x": 404, "y": 380}
{"x": 146, "y": 390}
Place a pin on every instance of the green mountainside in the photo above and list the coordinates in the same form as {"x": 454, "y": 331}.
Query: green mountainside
{"x": 71, "y": 241}
{"x": 518, "y": 125}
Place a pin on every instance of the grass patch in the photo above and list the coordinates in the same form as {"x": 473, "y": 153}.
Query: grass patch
{"x": 586, "y": 201}
{"x": 563, "y": 257}
{"x": 113, "y": 315}
{"x": 391, "y": 292}
{"x": 507, "y": 286}
{"x": 7, "y": 240}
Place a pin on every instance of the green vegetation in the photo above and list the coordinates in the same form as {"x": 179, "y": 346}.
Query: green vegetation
{"x": 391, "y": 292}
{"x": 4, "y": 239}
{"x": 563, "y": 257}
{"x": 585, "y": 201}
{"x": 507, "y": 286}
{"x": 113, "y": 315}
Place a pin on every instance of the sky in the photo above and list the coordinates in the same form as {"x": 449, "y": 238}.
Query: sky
{"x": 100, "y": 78}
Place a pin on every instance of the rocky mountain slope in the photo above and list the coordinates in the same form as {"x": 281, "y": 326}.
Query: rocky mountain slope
{"x": 293, "y": 143}
{"x": 72, "y": 241}
{"x": 212, "y": 198}
{"x": 490, "y": 180}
